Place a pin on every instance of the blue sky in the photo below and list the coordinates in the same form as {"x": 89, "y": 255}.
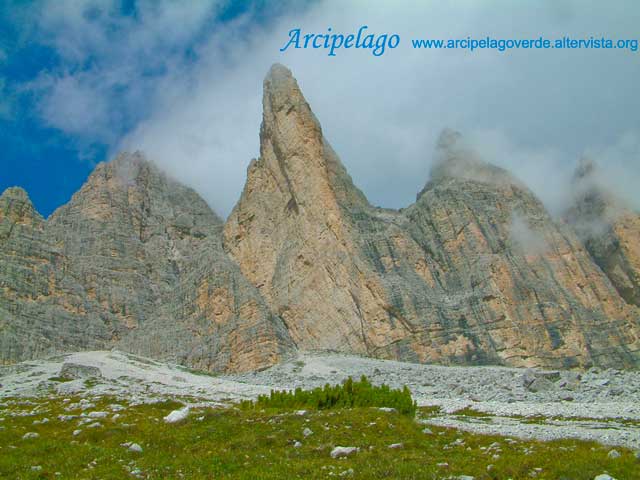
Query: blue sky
{"x": 81, "y": 80}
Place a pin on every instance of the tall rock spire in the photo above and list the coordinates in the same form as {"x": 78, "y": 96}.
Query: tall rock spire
{"x": 288, "y": 232}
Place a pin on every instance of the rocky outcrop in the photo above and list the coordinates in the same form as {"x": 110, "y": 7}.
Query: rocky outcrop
{"x": 143, "y": 254}
{"x": 609, "y": 229}
{"x": 474, "y": 271}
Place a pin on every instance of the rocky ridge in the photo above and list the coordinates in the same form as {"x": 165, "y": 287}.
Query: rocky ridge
{"x": 475, "y": 271}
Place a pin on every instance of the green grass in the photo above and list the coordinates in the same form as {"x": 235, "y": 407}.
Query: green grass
{"x": 348, "y": 395}
{"x": 60, "y": 379}
{"x": 255, "y": 444}
{"x": 539, "y": 419}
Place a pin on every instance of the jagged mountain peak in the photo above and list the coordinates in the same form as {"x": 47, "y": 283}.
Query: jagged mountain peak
{"x": 131, "y": 189}
{"x": 279, "y": 77}
{"x": 15, "y": 193}
{"x": 585, "y": 168}
{"x": 296, "y": 162}
{"x": 281, "y": 92}
{"x": 16, "y": 205}
{"x": 456, "y": 160}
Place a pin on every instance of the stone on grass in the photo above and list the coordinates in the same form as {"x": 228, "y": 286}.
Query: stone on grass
{"x": 29, "y": 435}
{"x": 387, "y": 409}
{"x": 603, "y": 476}
{"x": 77, "y": 432}
{"x": 134, "y": 447}
{"x": 297, "y": 444}
{"x": 306, "y": 432}
{"x": 177, "y": 415}
{"x": 340, "y": 452}
{"x": 396, "y": 445}
{"x": 613, "y": 454}
{"x": 97, "y": 414}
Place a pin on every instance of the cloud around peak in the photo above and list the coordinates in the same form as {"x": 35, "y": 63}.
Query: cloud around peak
{"x": 182, "y": 83}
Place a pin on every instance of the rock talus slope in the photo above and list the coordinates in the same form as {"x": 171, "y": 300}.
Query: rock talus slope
{"x": 475, "y": 271}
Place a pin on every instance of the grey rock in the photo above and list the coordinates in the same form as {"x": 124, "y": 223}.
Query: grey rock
{"x": 613, "y": 454}
{"x": 541, "y": 385}
{"x": 340, "y": 452}
{"x": 73, "y": 370}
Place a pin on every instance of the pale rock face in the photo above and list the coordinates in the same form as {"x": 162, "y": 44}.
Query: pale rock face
{"x": 475, "y": 271}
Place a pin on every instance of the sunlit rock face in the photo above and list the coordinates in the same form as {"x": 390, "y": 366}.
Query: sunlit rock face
{"x": 476, "y": 271}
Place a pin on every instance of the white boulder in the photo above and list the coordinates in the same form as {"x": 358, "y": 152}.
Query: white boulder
{"x": 177, "y": 415}
{"x": 340, "y": 452}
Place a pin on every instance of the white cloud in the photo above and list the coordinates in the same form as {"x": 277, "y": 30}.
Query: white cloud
{"x": 112, "y": 64}
{"x": 533, "y": 112}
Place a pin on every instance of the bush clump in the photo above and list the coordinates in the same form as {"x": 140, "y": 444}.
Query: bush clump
{"x": 349, "y": 394}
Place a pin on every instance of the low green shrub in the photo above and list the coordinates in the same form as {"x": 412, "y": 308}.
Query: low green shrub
{"x": 347, "y": 395}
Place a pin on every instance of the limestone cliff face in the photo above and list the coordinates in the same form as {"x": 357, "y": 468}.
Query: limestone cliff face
{"x": 474, "y": 271}
{"x": 143, "y": 255}
{"x": 130, "y": 230}
{"x": 42, "y": 310}
{"x": 609, "y": 229}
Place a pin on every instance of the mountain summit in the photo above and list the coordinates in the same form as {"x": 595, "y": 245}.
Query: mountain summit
{"x": 474, "y": 272}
